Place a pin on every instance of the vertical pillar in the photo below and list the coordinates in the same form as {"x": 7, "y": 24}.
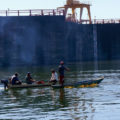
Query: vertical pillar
{"x": 6, "y": 13}
{"x": 103, "y": 21}
{"x": 30, "y": 13}
{"x": 42, "y": 12}
{"x": 65, "y": 11}
{"x": 18, "y": 13}
{"x": 53, "y": 12}
{"x": 73, "y": 13}
{"x": 81, "y": 12}
{"x": 89, "y": 14}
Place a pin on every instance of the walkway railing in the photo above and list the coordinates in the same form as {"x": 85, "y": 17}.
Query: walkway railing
{"x": 53, "y": 12}
{"x": 105, "y": 21}
{"x": 33, "y": 12}
{"x": 95, "y": 21}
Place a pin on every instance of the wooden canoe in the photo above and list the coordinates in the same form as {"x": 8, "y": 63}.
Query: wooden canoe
{"x": 24, "y": 85}
{"x": 82, "y": 84}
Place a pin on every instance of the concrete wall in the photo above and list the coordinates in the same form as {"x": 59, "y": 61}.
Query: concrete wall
{"x": 108, "y": 38}
{"x": 42, "y": 40}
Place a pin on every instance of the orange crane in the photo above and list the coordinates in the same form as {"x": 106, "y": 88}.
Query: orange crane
{"x": 73, "y": 4}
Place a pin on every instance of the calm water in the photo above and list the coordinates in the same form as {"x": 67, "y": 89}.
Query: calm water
{"x": 99, "y": 103}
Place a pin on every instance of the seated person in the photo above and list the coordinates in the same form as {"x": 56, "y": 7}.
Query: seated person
{"x": 54, "y": 77}
{"x": 5, "y": 82}
{"x": 15, "y": 80}
{"x": 29, "y": 79}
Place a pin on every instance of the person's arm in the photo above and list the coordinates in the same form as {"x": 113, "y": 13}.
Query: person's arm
{"x": 32, "y": 80}
{"x": 67, "y": 69}
{"x": 52, "y": 77}
{"x": 17, "y": 80}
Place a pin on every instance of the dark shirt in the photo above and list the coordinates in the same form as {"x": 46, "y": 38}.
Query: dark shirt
{"x": 5, "y": 82}
{"x": 61, "y": 70}
{"x": 29, "y": 80}
{"x": 14, "y": 80}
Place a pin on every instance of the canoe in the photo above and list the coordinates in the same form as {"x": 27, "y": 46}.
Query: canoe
{"x": 88, "y": 83}
{"x": 24, "y": 85}
{"x": 82, "y": 84}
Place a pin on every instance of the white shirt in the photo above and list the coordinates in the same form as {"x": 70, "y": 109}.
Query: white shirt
{"x": 54, "y": 76}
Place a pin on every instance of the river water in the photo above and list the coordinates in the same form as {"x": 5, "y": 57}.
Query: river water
{"x": 98, "y": 103}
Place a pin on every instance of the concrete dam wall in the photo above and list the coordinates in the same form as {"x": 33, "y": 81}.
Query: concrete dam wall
{"x": 43, "y": 40}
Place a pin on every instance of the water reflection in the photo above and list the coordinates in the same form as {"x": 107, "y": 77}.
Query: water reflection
{"x": 62, "y": 98}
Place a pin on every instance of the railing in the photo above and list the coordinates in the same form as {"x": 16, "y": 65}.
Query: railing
{"x": 105, "y": 21}
{"x": 33, "y": 12}
{"x": 54, "y": 12}
{"x": 95, "y": 21}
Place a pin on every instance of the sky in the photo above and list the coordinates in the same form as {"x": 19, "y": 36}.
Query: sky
{"x": 100, "y": 9}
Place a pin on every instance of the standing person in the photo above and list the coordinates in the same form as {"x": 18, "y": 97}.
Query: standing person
{"x": 15, "y": 80}
{"x": 54, "y": 77}
{"x": 29, "y": 79}
{"x": 61, "y": 70}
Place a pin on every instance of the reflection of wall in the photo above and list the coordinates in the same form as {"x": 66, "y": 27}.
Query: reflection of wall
{"x": 36, "y": 40}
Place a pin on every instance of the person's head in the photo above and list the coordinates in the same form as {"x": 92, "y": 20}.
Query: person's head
{"x": 61, "y": 62}
{"x": 52, "y": 70}
{"x": 1, "y": 81}
{"x": 28, "y": 74}
{"x": 16, "y": 74}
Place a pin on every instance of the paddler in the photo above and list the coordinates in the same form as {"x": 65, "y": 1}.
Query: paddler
{"x": 15, "y": 80}
{"x": 5, "y": 82}
{"x": 61, "y": 70}
{"x": 29, "y": 79}
{"x": 54, "y": 77}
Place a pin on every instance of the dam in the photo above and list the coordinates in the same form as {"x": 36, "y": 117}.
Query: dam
{"x": 47, "y": 39}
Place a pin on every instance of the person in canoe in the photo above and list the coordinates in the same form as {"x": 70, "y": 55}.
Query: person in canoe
{"x": 54, "y": 77}
{"x": 61, "y": 70}
{"x": 29, "y": 79}
{"x": 5, "y": 82}
{"x": 15, "y": 80}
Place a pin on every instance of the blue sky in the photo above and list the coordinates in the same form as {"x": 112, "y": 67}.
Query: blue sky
{"x": 102, "y": 9}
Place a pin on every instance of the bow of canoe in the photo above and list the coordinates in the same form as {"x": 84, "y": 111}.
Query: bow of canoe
{"x": 82, "y": 84}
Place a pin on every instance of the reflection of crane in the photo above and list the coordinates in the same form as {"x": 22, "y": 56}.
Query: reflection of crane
{"x": 73, "y": 4}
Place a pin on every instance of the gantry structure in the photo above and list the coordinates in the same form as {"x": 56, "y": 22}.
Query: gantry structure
{"x": 74, "y": 4}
